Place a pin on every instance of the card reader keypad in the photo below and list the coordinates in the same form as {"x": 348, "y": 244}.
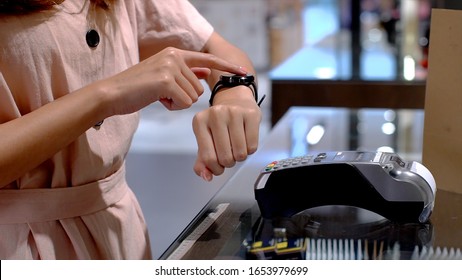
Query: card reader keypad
{"x": 287, "y": 163}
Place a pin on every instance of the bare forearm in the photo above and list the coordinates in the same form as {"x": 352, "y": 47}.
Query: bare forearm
{"x": 31, "y": 139}
{"x": 221, "y": 48}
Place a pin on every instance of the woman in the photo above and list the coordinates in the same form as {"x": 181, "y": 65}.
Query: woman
{"x": 73, "y": 75}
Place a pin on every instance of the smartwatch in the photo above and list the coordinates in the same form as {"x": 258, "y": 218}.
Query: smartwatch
{"x": 229, "y": 81}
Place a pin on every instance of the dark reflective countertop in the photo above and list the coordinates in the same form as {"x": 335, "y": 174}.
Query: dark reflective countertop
{"x": 230, "y": 225}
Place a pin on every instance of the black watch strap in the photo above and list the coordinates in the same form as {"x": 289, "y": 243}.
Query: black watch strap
{"x": 233, "y": 81}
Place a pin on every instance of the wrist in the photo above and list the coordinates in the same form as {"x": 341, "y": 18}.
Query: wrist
{"x": 102, "y": 102}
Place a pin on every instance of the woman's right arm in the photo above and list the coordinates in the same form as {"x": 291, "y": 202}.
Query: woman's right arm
{"x": 168, "y": 77}
{"x": 31, "y": 139}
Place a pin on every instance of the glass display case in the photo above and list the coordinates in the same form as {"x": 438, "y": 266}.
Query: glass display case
{"x": 231, "y": 225}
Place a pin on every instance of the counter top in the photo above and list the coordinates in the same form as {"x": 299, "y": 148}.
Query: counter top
{"x": 226, "y": 223}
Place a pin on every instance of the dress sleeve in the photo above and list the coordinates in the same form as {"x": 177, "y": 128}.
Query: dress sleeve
{"x": 164, "y": 23}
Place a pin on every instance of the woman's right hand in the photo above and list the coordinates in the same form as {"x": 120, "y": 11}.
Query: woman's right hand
{"x": 170, "y": 76}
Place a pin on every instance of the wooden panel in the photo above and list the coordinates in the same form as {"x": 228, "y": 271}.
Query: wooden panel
{"x": 348, "y": 94}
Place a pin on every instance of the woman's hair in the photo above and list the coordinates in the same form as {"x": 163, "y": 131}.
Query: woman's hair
{"x": 29, "y": 6}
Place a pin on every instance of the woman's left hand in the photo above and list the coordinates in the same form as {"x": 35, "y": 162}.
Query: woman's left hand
{"x": 227, "y": 132}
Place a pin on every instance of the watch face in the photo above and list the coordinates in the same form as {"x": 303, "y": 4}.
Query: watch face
{"x": 237, "y": 80}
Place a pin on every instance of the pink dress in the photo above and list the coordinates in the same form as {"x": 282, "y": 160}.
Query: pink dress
{"x": 77, "y": 205}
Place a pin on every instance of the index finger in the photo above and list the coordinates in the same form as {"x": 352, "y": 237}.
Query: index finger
{"x": 199, "y": 59}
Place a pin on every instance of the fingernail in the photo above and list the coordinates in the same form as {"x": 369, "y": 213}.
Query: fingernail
{"x": 243, "y": 70}
{"x": 206, "y": 176}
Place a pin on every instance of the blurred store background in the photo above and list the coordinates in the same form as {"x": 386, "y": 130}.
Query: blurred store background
{"x": 296, "y": 40}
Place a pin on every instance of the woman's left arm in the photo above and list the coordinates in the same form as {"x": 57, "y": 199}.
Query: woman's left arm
{"x": 228, "y": 131}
